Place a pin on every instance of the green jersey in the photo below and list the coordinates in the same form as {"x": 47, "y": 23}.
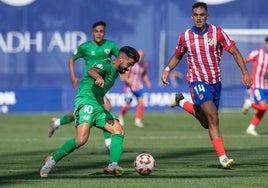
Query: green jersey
{"x": 92, "y": 52}
{"x": 89, "y": 92}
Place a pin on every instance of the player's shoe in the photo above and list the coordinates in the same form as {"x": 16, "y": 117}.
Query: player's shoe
{"x": 52, "y": 127}
{"x": 227, "y": 163}
{"x": 114, "y": 170}
{"x": 246, "y": 106}
{"x": 252, "y": 132}
{"x": 49, "y": 164}
{"x": 121, "y": 119}
{"x": 176, "y": 101}
{"x": 139, "y": 124}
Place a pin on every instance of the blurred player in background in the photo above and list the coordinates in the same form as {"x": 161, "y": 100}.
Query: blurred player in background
{"x": 134, "y": 88}
{"x": 91, "y": 51}
{"x": 89, "y": 110}
{"x": 204, "y": 44}
{"x": 259, "y": 89}
{"x": 176, "y": 78}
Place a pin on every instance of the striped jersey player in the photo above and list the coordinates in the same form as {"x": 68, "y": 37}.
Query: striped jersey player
{"x": 204, "y": 44}
{"x": 259, "y": 89}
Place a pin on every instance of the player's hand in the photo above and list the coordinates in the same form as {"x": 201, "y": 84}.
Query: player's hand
{"x": 164, "y": 77}
{"x": 99, "y": 82}
{"x": 246, "y": 80}
{"x": 75, "y": 82}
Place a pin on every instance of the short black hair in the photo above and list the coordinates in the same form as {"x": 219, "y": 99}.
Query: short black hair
{"x": 98, "y": 23}
{"x": 266, "y": 39}
{"x": 200, "y": 4}
{"x": 130, "y": 52}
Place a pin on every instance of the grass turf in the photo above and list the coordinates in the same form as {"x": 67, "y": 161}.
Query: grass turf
{"x": 181, "y": 147}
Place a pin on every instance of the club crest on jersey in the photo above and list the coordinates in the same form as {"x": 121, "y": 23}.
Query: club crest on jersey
{"x": 107, "y": 51}
{"x": 93, "y": 53}
{"x": 86, "y": 117}
{"x": 100, "y": 66}
{"x": 201, "y": 96}
{"x": 211, "y": 41}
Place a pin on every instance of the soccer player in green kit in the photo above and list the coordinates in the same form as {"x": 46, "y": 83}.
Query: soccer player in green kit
{"x": 91, "y": 51}
{"x": 89, "y": 110}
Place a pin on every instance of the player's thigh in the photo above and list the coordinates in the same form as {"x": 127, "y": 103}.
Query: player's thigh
{"x": 114, "y": 127}
{"x": 82, "y": 133}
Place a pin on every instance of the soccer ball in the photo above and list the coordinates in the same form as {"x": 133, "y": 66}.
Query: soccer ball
{"x": 144, "y": 164}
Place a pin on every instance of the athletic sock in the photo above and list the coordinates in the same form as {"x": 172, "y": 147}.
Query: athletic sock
{"x": 65, "y": 120}
{"x": 139, "y": 111}
{"x": 68, "y": 147}
{"x": 124, "y": 111}
{"x": 187, "y": 106}
{"x": 218, "y": 146}
{"x": 116, "y": 148}
{"x": 257, "y": 118}
{"x": 258, "y": 107}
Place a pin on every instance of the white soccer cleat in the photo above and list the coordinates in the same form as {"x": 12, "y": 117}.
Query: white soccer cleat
{"x": 246, "y": 106}
{"x": 52, "y": 127}
{"x": 114, "y": 170}
{"x": 227, "y": 163}
{"x": 176, "y": 101}
{"x": 138, "y": 123}
{"x": 121, "y": 119}
{"x": 49, "y": 164}
{"x": 252, "y": 132}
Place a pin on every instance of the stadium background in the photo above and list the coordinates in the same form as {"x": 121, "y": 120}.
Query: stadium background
{"x": 36, "y": 40}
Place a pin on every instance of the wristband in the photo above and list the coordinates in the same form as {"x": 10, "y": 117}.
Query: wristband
{"x": 167, "y": 69}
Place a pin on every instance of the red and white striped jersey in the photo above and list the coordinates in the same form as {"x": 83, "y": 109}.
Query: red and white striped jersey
{"x": 136, "y": 74}
{"x": 259, "y": 74}
{"x": 204, "y": 51}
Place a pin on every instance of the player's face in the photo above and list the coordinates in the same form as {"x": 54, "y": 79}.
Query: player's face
{"x": 98, "y": 34}
{"x": 125, "y": 64}
{"x": 199, "y": 17}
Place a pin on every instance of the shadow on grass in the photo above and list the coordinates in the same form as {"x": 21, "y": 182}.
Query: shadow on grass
{"x": 189, "y": 163}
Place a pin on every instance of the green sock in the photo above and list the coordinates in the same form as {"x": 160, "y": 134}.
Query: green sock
{"x": 116, "y": 147}
{"x": 106, "y": 134}
{"x": 65, "y": 120}
{"x": 68, "y": 147}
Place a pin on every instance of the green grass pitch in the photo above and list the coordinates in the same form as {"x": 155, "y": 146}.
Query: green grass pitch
{"x": 181, "y": 147}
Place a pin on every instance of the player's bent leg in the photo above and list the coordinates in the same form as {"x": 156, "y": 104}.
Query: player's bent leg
{"x": 201, "y": 117}
{"x": 68, "y": 147}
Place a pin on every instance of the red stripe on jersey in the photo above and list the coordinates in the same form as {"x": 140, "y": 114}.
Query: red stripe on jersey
{"x": 260, "y": 68}
{"x": 204, "y": 53}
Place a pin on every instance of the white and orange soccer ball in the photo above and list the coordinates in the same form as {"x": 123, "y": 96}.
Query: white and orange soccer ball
{"x": 144, "y": 164}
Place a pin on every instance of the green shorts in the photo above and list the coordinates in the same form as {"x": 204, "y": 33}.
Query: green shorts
{"x": 94, "y": 115}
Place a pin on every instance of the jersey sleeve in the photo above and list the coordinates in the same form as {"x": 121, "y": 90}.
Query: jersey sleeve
{"x": 225, "y": 40}
{"x": 101, "y": 65}
{"x": 181, "y": 48}
{"x": 253, "y": 55}
{"x": 79, "y": 52}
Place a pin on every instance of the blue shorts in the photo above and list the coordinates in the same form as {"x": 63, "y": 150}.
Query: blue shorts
{"x": 202, "y": 92}
{"x": 130, "y": 94}
{"x": 260, "y": 95}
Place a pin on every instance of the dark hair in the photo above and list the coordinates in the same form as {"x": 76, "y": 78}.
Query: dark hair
{"x": 98, "y": 23}
{"x": 130, "y": 52}
{"x": 266, "y": 39}
{"x": 200, "y": 4}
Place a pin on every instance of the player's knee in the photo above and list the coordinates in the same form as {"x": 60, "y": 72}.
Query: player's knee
{"x": 80, "y": 141}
